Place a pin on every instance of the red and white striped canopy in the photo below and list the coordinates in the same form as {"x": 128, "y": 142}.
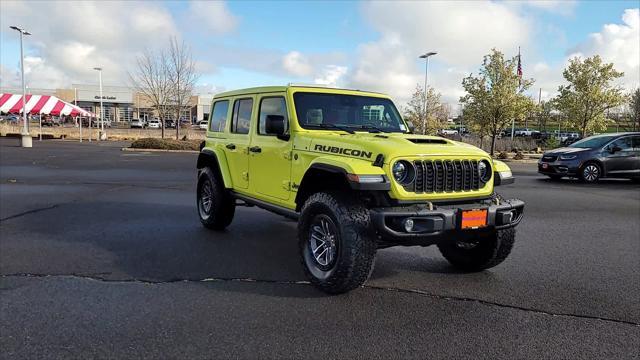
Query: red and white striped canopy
{"x": 40, "y": 104}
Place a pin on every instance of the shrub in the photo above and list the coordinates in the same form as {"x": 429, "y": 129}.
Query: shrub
{"x": 518, "y": 156}
{"x": 503, "y": 155}
{"x": 166, "y": 144}
{"x": 552, "y": 143}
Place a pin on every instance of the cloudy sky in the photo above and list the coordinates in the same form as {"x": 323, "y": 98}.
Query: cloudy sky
{"x": 364, "y": 45}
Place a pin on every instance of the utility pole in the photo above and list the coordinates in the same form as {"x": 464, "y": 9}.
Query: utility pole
{"x": 99, "y": 69}
{"x": 426, "y": 57}
{"x": 26, "y": 137}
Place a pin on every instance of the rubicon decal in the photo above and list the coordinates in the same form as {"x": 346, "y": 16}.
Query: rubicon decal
{"x": 344, "y": 151}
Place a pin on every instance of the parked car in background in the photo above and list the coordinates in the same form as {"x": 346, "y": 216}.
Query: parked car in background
{"x": 448, "y": 132}
{"x": 11, "y": 119}
{"x": 571, "y": 138}
{"x": 169, "y": 124}
{"x": 98, "y": 123}
{"x": 523, "y": 132}
{"x": 203, "y": 124}
{"x": 51, "y": 121}
{"x": 595, "y": 157}
{"x": 154, "y": 124}
{"x": 138, "y": 123}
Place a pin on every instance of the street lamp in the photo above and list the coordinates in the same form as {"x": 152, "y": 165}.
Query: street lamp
{"x": 99, "y": 69}
{"x": 26, "y": 138}
{"x": 426, "y": 74}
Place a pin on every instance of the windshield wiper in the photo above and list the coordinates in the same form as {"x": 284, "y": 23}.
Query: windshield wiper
{"x": 371, "y": 127}
{"x": 333, "y": 126}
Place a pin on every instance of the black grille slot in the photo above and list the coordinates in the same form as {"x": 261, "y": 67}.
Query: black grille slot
{"x": 549, "y": 158}
{"x": 445, "y": 176}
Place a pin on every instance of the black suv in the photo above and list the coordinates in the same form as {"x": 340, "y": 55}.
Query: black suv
{"x": 607, "y": 155}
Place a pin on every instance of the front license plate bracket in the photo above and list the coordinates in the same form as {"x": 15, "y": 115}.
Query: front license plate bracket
{"x": 473, "y": 219}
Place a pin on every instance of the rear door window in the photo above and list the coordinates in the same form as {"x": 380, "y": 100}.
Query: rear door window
{"x": 219, "y": 116}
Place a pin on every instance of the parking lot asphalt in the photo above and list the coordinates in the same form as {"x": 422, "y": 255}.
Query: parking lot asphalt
{"x": 102, "y": 255}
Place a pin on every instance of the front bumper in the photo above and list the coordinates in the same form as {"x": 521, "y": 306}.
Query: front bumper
{"x": 559, "y": 167}
{"x": 430, "y": 225}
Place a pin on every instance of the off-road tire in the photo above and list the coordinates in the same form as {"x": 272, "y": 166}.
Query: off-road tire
{"x": 222, "y": 208}
{"x": 489, "y": 251}
{"x": 355, "y": 242}
{"x": 584, "y": 175}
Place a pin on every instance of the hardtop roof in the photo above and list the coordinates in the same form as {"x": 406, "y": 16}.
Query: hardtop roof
{"x": 314, "y": 88}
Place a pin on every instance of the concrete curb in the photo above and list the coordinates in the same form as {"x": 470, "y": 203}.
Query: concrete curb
{"x": 160, "y": 150}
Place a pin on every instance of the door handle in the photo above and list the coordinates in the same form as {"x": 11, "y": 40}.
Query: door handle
{"x": 255, "y": 149}
{"x": 231, "y": 146}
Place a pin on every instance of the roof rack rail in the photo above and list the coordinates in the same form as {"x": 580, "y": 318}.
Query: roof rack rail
{"x": 308, "y": 85}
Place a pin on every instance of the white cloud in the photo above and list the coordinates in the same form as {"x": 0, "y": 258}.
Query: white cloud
{"x": 296, "y": 64}
{"x": 72, "y": 37}
{"x": 619, "y": 44}
{"x": 461, "y": 32}
{"x": 214, "y": 16}
{"x": 331, "y": 75}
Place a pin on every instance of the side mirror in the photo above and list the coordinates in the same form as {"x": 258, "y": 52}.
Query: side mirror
{"x": 276, "y": 125}
{"x": 411, "y": 126}
{"x": 614, "y": 149}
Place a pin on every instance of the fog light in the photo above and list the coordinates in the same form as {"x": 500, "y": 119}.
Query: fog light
{"x": 408, "y": 225}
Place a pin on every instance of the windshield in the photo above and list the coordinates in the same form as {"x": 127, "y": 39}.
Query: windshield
{"x": 347, "y": 112}
{"x": 592, "y": 142}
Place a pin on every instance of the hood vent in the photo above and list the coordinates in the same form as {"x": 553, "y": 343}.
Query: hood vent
{"x": 428, "y": 141}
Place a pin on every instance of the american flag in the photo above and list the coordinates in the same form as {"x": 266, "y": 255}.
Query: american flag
{"x": 519, "y": 68}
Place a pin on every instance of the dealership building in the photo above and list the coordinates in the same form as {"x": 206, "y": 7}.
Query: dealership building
{"x": 121, "y": 103}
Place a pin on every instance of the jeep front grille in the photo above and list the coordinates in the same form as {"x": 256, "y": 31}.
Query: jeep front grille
{"x": 445, "y": 176}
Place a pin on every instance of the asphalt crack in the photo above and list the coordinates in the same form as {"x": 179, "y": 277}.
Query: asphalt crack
{"x": 30, "y": 212}
{"x": 97, "y": 277}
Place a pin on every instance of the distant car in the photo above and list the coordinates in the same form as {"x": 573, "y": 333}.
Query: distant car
{"x": 154, "y": 124}
{"x": 98, "y": 123}
{"x": 12, "y": 119}
{"x": 595, "y": 157}
{"x": 448, "y": 132}
{"x": 523, "y": 132}
{"x": 170, "y": 124}
{"x": 203, "y": 124}
{"x": 50, "y": 121}
{"x": 138, "y": 123}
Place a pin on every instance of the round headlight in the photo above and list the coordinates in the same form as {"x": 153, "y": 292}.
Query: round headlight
{"x": 403, "y": 172}
{"x": 484, "y": 170}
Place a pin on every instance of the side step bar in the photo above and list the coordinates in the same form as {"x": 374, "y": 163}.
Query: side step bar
{"x": 291, "y": 214}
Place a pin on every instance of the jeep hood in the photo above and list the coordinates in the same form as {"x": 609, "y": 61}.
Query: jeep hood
{"x": 394, "y": 145}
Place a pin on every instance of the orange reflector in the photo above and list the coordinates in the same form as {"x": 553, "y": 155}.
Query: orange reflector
{"x": 473, "y": 219}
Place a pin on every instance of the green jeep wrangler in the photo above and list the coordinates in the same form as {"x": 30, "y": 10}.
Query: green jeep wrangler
{"x": 350, "y": 170}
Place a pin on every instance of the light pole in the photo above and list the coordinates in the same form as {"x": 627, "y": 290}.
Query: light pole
{"x": 26, "y": 138}
{"x": 99, "y": 69}
{"x": 426, "y": 74}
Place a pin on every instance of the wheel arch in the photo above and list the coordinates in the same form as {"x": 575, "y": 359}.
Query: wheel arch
{"x": 332, "y": 177}
{"x": 320, "y": 177}
{"x": 217, "y": 162}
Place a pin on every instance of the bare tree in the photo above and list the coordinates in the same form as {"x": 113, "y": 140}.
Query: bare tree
{"x": 152, "y": 79}
{"x": 182, "y": 75}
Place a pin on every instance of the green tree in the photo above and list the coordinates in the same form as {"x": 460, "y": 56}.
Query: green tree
{"x": 496, "y": 96}
{"x": 545, "y": 114}
{"x": 436, "y": 115}
{"x": 589, "y": 93}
